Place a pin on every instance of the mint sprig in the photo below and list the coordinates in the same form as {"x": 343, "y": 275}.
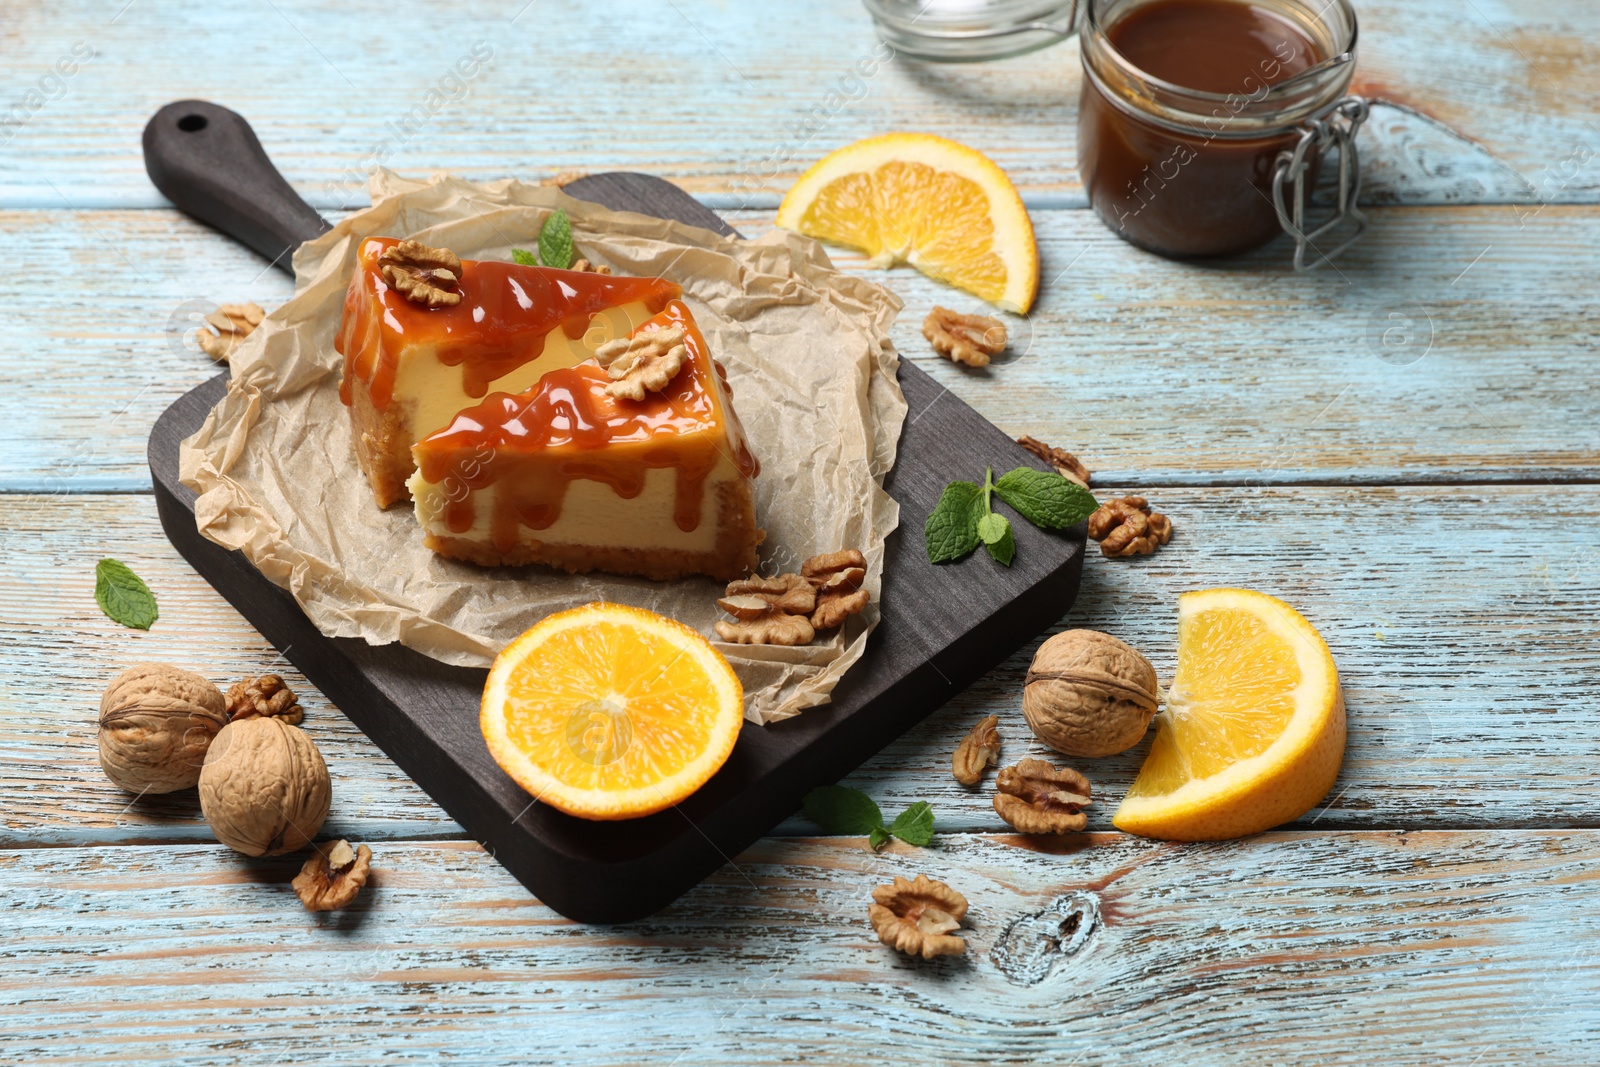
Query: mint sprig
{"x": 123, "y": 596}
{"x": 1045, "y": 498}
{"x": 952, "y": 528}
{"x": 838, "y": 809}
{"x": 965, "y": 517}
{"x": 555, "y": 244}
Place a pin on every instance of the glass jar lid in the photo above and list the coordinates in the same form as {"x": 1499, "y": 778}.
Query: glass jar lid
{"x": 960, "y": 31}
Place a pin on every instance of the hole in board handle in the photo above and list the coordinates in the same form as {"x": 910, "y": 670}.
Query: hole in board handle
{"x": 192, "y": 123}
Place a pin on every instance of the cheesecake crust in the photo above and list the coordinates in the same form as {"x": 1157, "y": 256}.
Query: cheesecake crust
{"x": 733, "y": 557}
{"x": 383, "y": 446}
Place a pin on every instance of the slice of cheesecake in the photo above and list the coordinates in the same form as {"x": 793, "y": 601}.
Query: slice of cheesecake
{"x": 424, "y": 338}
{"x": 576, "y": 473}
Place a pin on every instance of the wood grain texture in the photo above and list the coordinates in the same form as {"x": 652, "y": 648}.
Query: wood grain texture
{"x": 1327, "y": 948}
{"x": 1462, "y": 618}
{"x": 1451, "y": 616}
{"x": 1485, "y": 102}
{"x": 1157, "y": 373}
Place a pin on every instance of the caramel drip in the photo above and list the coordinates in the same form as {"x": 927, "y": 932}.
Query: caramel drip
{"x": 505, "y": 314}
{"x": 566, "y": 428}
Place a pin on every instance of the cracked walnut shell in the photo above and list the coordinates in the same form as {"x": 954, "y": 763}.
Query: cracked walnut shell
{"x": 1127, "y": 527}
{"x": 266, "y": 696}
{"x": 918, "y": 917}
{"x": 970, "y": 339}
{"x": 333, "y": 876}
{"x": 1089, "y": 694}
{"x": 979, "y": 749}
{"x": 264, "y": 787}
{"x": 156, "y": 723}
{"x": 643, "y": 363}
{"x": 1037, "y": 798}
{"x": 423, "y": 274}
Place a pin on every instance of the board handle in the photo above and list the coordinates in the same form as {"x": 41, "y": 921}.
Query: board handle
{"x": 207, "y": 160}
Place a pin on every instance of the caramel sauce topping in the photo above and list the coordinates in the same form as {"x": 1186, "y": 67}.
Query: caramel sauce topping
{"x": 505, "y": 313}
{"x": 536, "y": 443}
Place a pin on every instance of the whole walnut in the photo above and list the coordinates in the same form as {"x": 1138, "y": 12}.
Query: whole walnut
{"x": 264, "y": 788}
{"x": 156, "y": 723}
{"x": 1089, "y": 694}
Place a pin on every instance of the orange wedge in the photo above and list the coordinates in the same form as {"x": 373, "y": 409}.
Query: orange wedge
{"x": 938, "y": 205}
{"x": 1252, "y": 734}
{"x": 611, "y": 712}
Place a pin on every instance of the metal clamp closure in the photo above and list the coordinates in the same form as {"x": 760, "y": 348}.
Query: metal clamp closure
{"x": 1334, "y": 128}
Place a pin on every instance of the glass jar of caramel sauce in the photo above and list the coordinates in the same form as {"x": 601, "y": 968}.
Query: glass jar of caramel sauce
{"x": 1202, "y": 124}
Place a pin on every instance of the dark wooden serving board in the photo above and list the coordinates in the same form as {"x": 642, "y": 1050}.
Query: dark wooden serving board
{"x": 942, "y": 627}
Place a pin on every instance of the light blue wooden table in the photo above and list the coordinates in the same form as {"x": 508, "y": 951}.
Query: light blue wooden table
{"x": 1430, "y": 501}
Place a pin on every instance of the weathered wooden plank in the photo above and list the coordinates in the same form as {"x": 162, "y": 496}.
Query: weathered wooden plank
{"x": 1452, "y": 614}
{"x": 59, "y": 652}
{"x": 1157, "y": 372}
{"x": 96, "y": 354}
{"x": 1439, "y": 349}
{"x": 1491, "y": 102}
{"x": 1325, "y": 948}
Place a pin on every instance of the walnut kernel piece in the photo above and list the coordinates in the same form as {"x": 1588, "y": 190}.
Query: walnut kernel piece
{"x": 837, "y": 578}
{"x": 1089, "y": 694}
{"x": 1065, "y": 463}
{"x": 156, "y": 723}
{"x": 788, "y": 609}
{"x": 774, "y": 628}
{"x": 1127, "y": 527}
{"x": 266, "y": 696}
{"x": 643, "y": 363}
{"x": 423, "y": 274}
{"x": 771, "y": 611}
{"x": 969, "y": 339}
{"x": 233, "y": 323}
{"x": 791, "y": 594}
{"x": 583, "y": 266}
{"x": 979, "y": 749}
{"x": 918, "y": 917}
{"x": 745, "y": 607}
{"x": 333, "y": 876}
{"x": 1037, "y": 798}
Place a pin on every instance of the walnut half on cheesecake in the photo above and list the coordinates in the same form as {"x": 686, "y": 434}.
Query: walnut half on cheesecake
{"x": 537, "y": 415}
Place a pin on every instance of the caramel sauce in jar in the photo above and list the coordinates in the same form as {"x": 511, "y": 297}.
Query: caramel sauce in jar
{"x": 1186, "y": 106}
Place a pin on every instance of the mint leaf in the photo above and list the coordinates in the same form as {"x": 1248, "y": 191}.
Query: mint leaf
{"x": 1005, "y": 549}
{"x": 1045, "y": 498}
{"x": 952, "y": 527}
{"x": 555, "y": 241}
{"x": 914, "y": 826}
{"x": 527, "y": 259}
{"x": 993, "y": 528}
{"x": 838, "y": 809}
{"x": 123, "y": 596}
{"x": 878, "y": 838}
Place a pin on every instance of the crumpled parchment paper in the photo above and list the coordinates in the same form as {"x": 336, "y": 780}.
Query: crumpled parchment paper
{"x": 813, "y": 375}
